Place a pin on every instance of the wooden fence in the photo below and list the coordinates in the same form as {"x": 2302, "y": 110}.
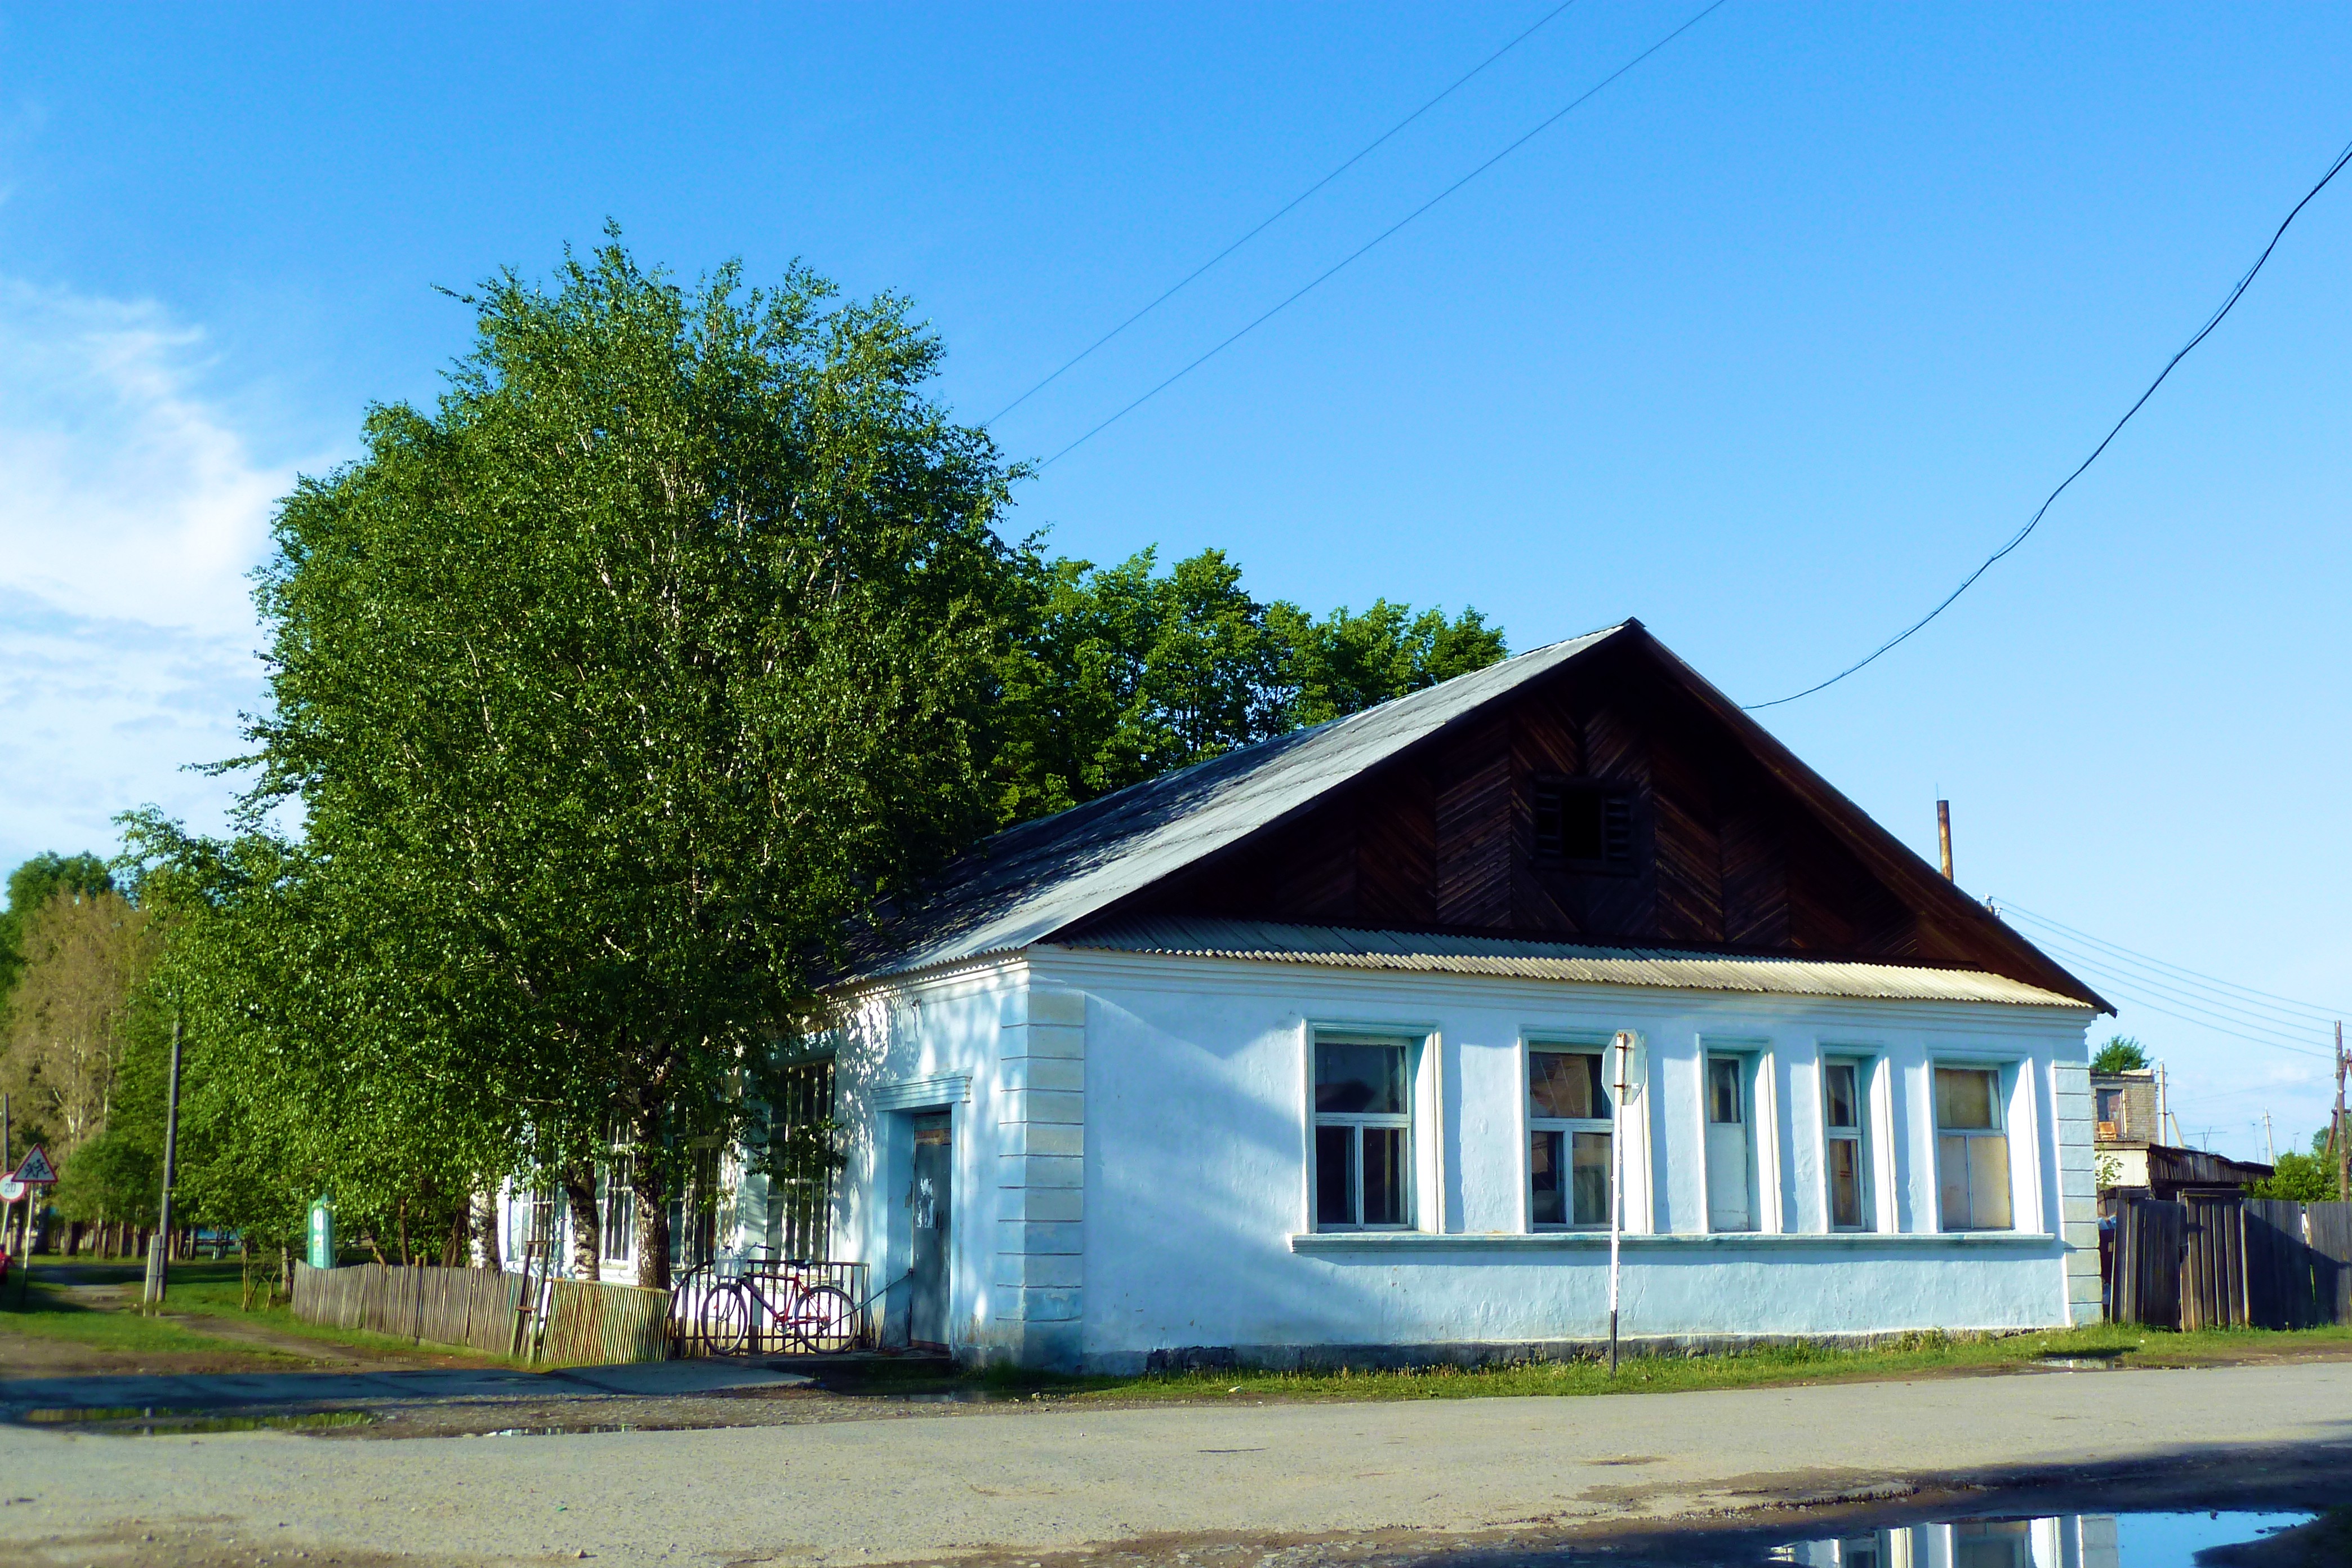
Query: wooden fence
{"x": 590, "y": 1325}
{"x": 2146, "y": 1285}
{"x": 2229, "y": 1262}
{"x": 574, "y": 1322}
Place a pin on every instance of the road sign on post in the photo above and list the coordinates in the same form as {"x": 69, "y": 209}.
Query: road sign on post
{"x": 34, "y": 1170}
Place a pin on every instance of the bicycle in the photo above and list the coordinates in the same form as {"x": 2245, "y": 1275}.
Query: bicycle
{"x": 739, "y": 1313}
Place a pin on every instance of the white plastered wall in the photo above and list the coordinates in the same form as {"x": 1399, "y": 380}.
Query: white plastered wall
{"x": 1196, "y": 1234}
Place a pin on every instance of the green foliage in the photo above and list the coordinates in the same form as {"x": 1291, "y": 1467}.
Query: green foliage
{"x": 2302, "y": 1178}
{"x": 2120, "y": 1054}
{"x": 31, "y": 886}
{"x": 679, "y": 632}
{"x": 607, "y": 690}
{"x": 1121, "y": 673}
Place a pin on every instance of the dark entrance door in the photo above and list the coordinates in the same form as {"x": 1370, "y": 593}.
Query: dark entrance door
{"x": 928, "y": 1199}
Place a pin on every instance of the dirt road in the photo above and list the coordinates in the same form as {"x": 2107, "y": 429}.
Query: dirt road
{"x": 1028, "y": 1483}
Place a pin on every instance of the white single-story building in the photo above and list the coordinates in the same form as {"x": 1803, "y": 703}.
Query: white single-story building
{"x": 1300, "y": 1056}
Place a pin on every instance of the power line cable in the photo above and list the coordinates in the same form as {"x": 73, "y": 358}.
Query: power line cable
{"x": 2217, "y": 1028}
{"x": 1325, "y": 275}
{"x": 2319, "y": 1011}
{"x": 1368, "y": 149}
{"x": 2018, "y": 538}
{"x": 2254, "y": 1012}
{"x": 2138, "y": 991}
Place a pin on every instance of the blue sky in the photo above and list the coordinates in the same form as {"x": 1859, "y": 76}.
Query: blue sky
{"x": 1767, "y": 344}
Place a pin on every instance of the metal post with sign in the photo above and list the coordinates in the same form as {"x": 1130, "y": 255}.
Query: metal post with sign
{"x": 1626, "y": 1060}
{"x": 30, "y": 1182}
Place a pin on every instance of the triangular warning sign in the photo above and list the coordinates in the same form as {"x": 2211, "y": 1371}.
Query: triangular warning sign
{"x": 34, "y": 1170}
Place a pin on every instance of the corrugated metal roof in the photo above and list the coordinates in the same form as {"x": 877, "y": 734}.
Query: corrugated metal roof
{"x": 1030, "y": 882}
{"x": 1671, "y": 969}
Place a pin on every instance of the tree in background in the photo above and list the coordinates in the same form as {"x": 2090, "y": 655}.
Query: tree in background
{"x": 2120, "y": 1054}
{"x": 84, "y": 957}
{"x": 317, "y": 1057}
{"x": 31, "y": 886}
{"x": 1117, "y": 674}
{"x": 2303, "y": 1178}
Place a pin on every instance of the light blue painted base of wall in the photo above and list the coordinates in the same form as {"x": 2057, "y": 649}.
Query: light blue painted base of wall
{"x": 1401, "y": 1358}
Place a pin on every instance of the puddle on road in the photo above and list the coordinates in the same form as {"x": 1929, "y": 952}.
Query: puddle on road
{"x": 2226, "y": 1540}
{"x": 159, "y": 1421}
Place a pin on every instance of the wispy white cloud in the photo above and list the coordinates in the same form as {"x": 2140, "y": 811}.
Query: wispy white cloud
{"x": 127, "y": 494}
{"x": 131, "y": 509}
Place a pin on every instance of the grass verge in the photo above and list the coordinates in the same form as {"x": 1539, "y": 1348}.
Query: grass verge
{"x": 200, "y": 1291}
{"x": 1921, "y": 1355}
{"x": 49, "y": 1314}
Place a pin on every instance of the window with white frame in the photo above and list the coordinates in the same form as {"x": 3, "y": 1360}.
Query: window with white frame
{"x": 1731, "y": 1150}
{"x": 1971, "y": 1150}
{"x": 1363, "y": 1134}
{"x": 1845, "y": 1118}
{"x": 619, "y": 1204}
{"x": 1568, "y": 1139}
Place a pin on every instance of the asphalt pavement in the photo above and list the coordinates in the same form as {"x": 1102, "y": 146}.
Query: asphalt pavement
{"x": 1043, "y": 1480}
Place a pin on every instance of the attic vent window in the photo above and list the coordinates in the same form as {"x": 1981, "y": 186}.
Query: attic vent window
{"x": 1583, "y": 826}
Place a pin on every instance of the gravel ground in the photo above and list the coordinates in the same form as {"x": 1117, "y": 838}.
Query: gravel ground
{"x": 844, "y": 1479}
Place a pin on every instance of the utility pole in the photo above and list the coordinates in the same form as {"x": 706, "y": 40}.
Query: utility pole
{"x": 159, "y": 1251}
{"x": 1944, "y": 835}
{"x": 2270, "y": 1149}
{"x": 2340, "y": 1131}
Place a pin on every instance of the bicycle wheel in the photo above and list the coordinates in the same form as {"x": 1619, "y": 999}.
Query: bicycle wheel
{"x": 821, "y": 1319}
{"x": 726, "y": 1320}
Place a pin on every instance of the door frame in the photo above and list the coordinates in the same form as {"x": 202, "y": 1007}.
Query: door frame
{"x": 898, "y": 1303}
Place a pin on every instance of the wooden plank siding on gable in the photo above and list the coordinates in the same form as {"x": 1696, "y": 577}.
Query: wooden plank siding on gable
{"x": 1442, "y": 838}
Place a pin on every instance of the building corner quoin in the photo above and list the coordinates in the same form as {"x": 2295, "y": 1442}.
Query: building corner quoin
{"x": 1038, "y": 1281}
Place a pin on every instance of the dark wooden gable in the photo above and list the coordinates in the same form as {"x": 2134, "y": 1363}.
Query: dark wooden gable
{"x": 1734, "y": 845}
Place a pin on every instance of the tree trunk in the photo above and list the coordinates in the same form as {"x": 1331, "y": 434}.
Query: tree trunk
{"x": 648, "y": 1178}
{"x": 587, "y": 1229}
{"x": 454, "y": 1250}
{"x": 405, "y": 1259}
{"x": 485, "y": 1231}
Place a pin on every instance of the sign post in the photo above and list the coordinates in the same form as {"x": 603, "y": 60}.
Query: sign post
{"x": 1627, "y": 1067}
{"x": 31, "y": 1180}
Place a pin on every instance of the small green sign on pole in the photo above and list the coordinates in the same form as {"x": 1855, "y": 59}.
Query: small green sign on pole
{"x": 322, "y": 1233}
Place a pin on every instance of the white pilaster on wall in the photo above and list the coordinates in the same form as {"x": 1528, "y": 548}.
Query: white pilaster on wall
{"x": 1041, "y": 1243}
{"x": 2078, "y": 1196}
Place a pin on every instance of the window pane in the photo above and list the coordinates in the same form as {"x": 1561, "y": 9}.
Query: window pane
{"x": 1366, "y": 1079}
{"x": 1334, "y": 1176}
{"x": 1989, "y": 1182}
{"x": 1547, "y": 1183}
{"x": 1566, "y": 1084}
{"x": 1723, "y": 1089}
{"x": 1593, "y": 1178}
{"x": 1846, "y": 1105}
{"x": 1845, "y": 1183}
{"x": 1952, "y": 1182}
{"x": 1384, "y": 1175}
{"x": 1965, "y": 1098}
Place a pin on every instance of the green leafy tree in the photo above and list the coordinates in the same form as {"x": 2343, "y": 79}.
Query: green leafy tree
{"x": 32, "y": 885}
{"x": 2120, "y": 1054}
{"x": 609, "y": 688}
{"x": 318, "y": 1058}
{"x": 1121, "y": 673}
{"x": 2302, "y": 1178}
